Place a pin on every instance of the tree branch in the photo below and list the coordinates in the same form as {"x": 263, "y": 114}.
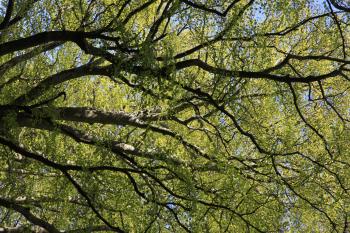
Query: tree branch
{"x": 23, "y": 210}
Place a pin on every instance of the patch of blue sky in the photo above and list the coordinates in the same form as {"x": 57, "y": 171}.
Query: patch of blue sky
{"x": 171, "y": 205}
{"x": 259, "y": 14}
{"x": 2, "y": 8}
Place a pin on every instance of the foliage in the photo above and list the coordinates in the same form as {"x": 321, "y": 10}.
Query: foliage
{"x": 174, "y": 116}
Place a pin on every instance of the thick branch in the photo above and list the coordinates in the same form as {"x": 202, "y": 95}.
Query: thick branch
{"x": 42, "y": 38}
{"x": 253, "y": 74}
{"x": 26, "y": 212}
{"x": 339, "y": 6}
{"x": 8, "y": 14}
{"x": 88, "y": 69}
{"x": 16, "y": 60}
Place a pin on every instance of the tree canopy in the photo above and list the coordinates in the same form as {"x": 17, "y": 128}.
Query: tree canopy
{"x": 174, "y": 116}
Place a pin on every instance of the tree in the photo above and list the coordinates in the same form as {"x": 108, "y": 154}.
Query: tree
{"x": 174, "y": 116}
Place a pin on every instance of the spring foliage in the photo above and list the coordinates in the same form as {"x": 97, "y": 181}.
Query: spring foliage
{"x": 174, "y": 116}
